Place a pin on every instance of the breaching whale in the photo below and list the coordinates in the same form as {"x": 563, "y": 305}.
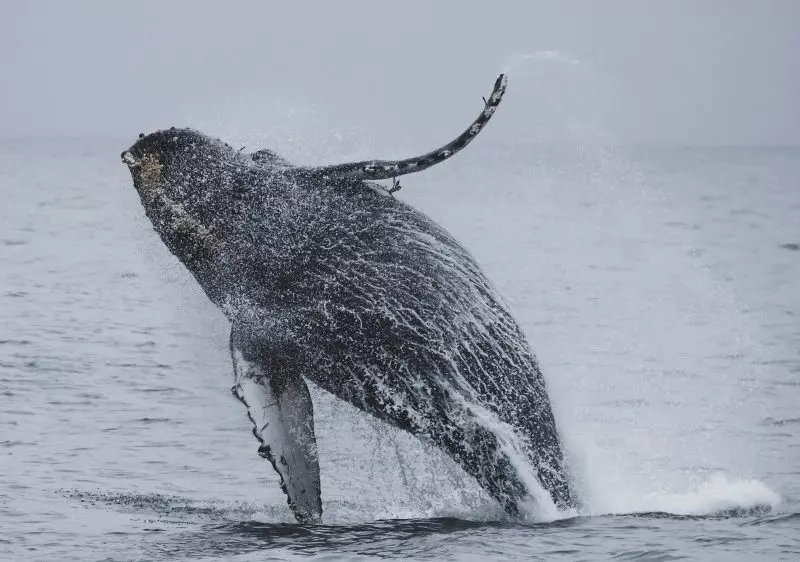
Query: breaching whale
{"x": 326, "y": 276}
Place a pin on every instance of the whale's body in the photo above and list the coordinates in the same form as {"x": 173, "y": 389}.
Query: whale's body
{"x": 327, "y": 277}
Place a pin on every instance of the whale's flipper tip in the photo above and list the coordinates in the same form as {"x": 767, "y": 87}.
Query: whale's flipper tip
{"x": 499, "y": 91}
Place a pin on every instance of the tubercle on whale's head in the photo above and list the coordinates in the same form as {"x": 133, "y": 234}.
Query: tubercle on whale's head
{"x": 176, "y": 162}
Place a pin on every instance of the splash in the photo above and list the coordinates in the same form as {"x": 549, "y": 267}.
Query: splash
{"x": 539, "y": 506}
{"x": 718, "y": 495}
{"x": 629, "y": 454}
{"x": 520, "y": 57}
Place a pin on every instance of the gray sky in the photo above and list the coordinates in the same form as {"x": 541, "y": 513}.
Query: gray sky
{"x": 725, "y": 72}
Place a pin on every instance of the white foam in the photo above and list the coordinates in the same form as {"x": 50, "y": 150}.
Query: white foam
{"x": 540, "y": 506}
{"x": 719, "y": 493}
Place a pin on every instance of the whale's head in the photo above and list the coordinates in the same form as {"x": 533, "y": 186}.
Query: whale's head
{"x": 179, "y": 164}
{"x": 182, "y": 177}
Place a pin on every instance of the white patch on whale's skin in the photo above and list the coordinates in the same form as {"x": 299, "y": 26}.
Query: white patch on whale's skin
{"x": 129, "y": 159}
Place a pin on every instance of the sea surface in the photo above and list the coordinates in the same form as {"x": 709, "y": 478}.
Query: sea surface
{"x": 659, "y": 287}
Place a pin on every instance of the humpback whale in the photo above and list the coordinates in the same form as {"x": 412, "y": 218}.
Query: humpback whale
{"x": 326, "y": 276}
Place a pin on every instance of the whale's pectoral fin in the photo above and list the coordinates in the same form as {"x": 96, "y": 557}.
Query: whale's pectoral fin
{"x": 279, "y": 405}
{"x": 385, "y": 169}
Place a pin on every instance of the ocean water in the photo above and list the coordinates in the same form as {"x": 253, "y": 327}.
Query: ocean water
{"x": 658, "y": 286}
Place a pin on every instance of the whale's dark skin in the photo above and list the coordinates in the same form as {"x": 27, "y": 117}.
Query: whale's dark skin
{"x": 326, "y": 276}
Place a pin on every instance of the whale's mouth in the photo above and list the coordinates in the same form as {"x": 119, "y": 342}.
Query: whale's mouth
{"x": 129, "y": 159}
